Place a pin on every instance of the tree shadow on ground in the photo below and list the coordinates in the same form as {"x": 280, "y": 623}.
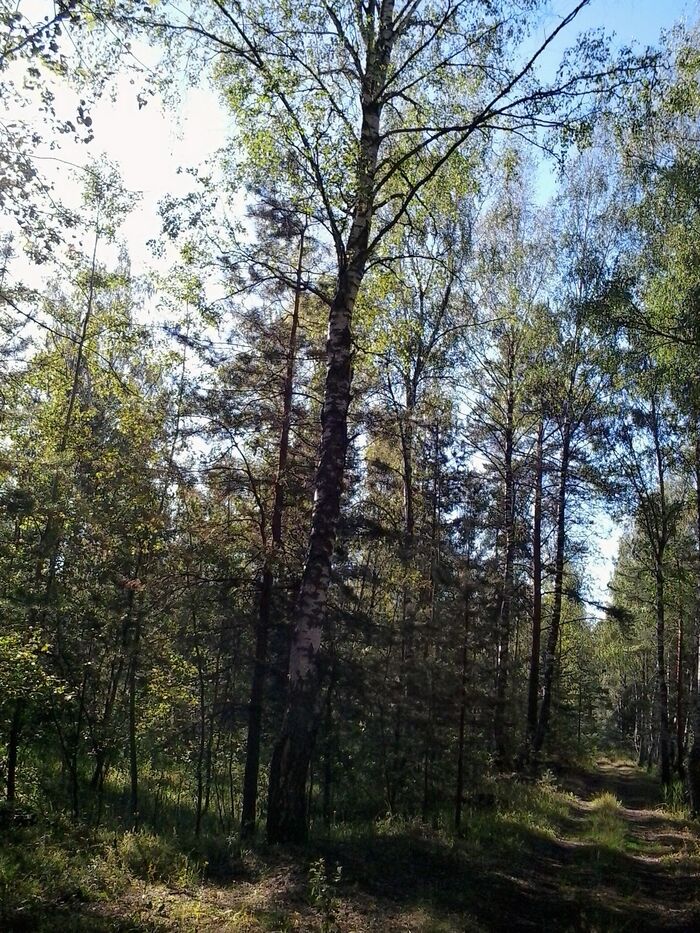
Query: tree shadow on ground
{"x": 633, "y": 787}
{"x": 547, "y": 884}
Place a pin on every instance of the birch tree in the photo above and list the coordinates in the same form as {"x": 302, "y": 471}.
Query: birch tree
{"x": 355, "y": 109}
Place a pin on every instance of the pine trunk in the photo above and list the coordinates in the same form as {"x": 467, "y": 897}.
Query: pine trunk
{"x": 505, "y": 607}
{"x": 534, "y": 676}
{"x": 267, "y": 583}
{"x": 661, "y": 683}
{"x": 555, "y": 625}
{"x": 12, "y": 752}
{"x": 680, "y": 707}
{"x": 694, "y": 754}
{"x": 459, "y": 788}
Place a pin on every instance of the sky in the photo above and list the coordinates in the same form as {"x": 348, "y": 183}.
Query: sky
{"x": 631, "y": 20}
{"x": 149, "y": 144}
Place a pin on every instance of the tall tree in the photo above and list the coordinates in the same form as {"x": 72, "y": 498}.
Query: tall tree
{"x": 357, "y": 109}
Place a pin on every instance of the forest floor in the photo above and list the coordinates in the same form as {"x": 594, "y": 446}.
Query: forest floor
{"x": 593, "y": 851}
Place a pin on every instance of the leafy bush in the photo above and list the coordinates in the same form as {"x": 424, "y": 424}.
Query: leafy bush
{"x": 155, "y": 858}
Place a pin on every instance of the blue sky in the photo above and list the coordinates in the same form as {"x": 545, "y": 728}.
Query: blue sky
{"x": 639, "y": 20}
{"x": 634, "y": 23}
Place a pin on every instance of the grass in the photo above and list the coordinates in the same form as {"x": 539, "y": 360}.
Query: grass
{"x": 48, "y": 869}
{"x": 517, "y": 810}
{"x": 526, "y": 845}
{"x": 58, "y": 866}
{"x": 58, "y": 875}
{"x": 607, "y": 829}
{"x": 56, "y": 872}
{"x": 676, "y": 800}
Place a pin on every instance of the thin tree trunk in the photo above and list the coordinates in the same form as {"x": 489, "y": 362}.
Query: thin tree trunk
{"x": 555, "y": 624}
{"x": 212, "y": 752}
{"x": 49, "y": 537}
{"x": 579, "y": 708}
{"x": 459, "y": 786}
{"x": 405, "y": 687}
{"x": 75, "y": 751}
{"x": 133, "y": 742}
{"x": 328, "y": 752}
{"x": 680, "y": 706}
{"x": 429, "y": 753}
{"x": 534, "y": 675}
{"x": 694, "y": 754}
{"x": 12, "y": 752}
{"x": 660, "y": 538}
{"x": 505, "y": 608}
{"x": 255, "y": 705}
{"x": 661, "y": 682}
{"x": 202, "y": 733}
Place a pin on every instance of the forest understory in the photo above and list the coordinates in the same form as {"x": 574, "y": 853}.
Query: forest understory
{"x": 349, "y": 466}
{"x": 592, "y": 849}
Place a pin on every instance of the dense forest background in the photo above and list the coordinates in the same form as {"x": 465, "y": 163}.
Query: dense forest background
{"x": 296, "y": 530}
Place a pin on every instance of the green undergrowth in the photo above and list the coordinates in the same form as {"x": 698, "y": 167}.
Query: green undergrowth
{"x": 56, "y": 874}
{"x": 520, "y": 813}
{"x": 676, "y": 800}
{"x": 59, "y": 865}
{"x": 59, "y": 868}
{"x": 606, "y": 829}
{"x": 499, "y": 823}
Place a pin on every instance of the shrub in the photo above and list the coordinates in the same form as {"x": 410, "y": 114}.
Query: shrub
{"x": 155, "y": 858}
{"x": 676, "y": 799}
{"x": 322, "y": 886}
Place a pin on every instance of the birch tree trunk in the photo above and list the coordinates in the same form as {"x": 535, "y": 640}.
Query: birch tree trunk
{"x": 287, "y": 799}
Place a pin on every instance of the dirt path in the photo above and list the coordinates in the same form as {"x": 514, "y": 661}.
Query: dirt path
{"x": 643, "y": 874}
{"x": 608, "y": 867}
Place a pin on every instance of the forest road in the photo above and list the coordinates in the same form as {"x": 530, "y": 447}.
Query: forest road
{"x": 611, "y": 859}
{"x": 622, "y": 859}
